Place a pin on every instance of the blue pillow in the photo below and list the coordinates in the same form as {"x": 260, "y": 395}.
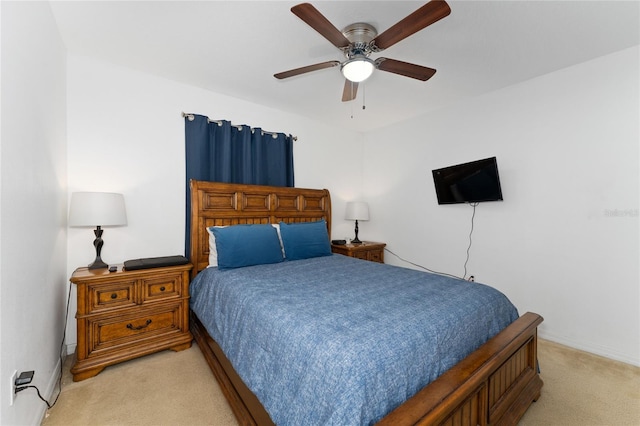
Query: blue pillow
{"x": 304, "y": 240}
{"x": 246, "y": 245}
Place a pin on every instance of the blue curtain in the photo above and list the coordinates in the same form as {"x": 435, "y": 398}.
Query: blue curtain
{"x": 221, "y": 152}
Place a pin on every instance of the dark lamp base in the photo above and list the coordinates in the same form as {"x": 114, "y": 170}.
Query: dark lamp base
{"x": 98, "y": 243}
{"x": 98, "y": 264}
{"x": 356, "y": 240}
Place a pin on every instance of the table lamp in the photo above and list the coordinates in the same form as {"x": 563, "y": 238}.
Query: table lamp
{"x": 97, "y": 209}
{"x": 357, "y": 210}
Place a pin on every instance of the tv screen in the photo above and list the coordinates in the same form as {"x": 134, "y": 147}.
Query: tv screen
{"x": 468, "y": 183}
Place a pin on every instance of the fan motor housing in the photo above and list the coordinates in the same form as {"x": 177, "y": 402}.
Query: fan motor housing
{"x": 360, "y": 36}
{"x": 360, "y": 32}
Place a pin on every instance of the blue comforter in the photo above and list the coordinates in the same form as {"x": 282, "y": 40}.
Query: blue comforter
{"x": 341, "y": 341}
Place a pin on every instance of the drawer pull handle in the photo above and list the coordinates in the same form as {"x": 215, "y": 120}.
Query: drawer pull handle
{"x": 114, "y": 296}
{"x": 162, "y": 288}
{"x": 140, "y": 327}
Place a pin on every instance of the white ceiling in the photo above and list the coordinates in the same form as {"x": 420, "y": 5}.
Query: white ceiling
{"x": 235, "y": 47}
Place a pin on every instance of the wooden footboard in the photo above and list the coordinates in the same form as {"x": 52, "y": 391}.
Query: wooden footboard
{"x": 494, "y": 385}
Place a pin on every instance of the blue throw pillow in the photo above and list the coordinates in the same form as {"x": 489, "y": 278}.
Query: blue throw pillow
{"x": 246, "y": 245}
{"x": 305, "y": 240}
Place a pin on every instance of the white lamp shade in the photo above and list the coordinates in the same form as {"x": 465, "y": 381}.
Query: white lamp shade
{"x": 358, "y": 69}
{"x": 97, "y": 209}
{"x": 357, "y": 210}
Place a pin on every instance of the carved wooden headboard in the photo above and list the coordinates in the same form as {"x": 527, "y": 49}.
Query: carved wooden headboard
{"x": 224, "y": 204}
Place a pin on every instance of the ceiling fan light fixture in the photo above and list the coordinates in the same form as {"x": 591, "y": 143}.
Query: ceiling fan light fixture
{"x": 357, "y": 69}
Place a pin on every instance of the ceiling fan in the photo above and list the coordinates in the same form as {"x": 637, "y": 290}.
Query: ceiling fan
{"x": 358, "y": 41}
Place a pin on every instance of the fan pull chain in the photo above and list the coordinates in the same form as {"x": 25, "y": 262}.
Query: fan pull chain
{"x": 351, "y": 88}
{"x": 364, "y": 91}
{"x": 363, "y": 100}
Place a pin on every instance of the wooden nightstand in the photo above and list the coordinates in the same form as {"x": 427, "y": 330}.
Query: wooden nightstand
{"x": 368, "y": 250}
{"x": 127, "y": 314}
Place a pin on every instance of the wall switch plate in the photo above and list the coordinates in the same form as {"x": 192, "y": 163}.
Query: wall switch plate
{"x": 12, "y": 390}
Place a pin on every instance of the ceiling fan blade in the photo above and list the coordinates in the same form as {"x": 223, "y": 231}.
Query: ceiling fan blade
{"x": 308, "y": 68}
{"x": 421, "y": 18}
{"x": 404, "y": 68}
{"x": 350, "y": 90}
{"x": 318, "y": 22}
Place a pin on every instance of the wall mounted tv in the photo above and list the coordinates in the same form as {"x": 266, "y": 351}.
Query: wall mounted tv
{"x": 468, "y": 183}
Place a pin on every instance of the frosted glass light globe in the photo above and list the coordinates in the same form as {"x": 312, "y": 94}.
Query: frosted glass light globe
{"x": 358, "y": 69}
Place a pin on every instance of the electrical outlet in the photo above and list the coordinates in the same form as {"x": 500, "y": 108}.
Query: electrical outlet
{"x": 12, "y": 389}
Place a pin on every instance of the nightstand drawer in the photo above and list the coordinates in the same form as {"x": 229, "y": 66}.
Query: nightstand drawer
{"x": 163, "y": 287}
{"x": 360, "y": 255}
{"x": 376, "y": 256}
{"x": 107, "y": 332}
{"x": 367, "y": 250}
{"x": 111, "y": 295}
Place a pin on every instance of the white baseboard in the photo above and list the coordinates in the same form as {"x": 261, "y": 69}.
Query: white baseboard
{"x": 594, "y": 349}
{"x": 50, "y": 392}
{"x": 71, "y": 348}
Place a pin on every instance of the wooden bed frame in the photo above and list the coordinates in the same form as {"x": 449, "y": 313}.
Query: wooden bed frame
{"x": 492, "y": 386}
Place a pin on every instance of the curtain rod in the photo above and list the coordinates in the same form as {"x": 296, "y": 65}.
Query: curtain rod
{"x": 191, "y": 117}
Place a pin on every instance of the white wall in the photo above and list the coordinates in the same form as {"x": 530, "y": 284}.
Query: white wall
{"x": 126, "y": 135}
{"x": 567, "y": 150}
{"x": 33, "y": 205}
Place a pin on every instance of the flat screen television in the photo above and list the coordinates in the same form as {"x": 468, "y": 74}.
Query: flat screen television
{"x": 468, "y": 183}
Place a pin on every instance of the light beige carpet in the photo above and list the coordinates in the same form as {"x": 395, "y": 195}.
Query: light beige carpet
{"x": 166, "y": 388}
{"x": 582, "y": 389}
{"x": 177, "y": 388}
